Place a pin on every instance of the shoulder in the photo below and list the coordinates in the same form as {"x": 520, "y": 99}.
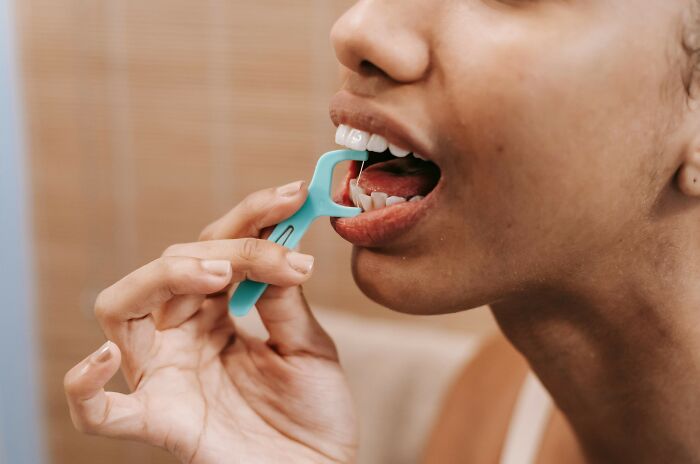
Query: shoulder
{"x": 476, "y": 411}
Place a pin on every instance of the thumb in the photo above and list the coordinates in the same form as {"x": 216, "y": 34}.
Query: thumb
{"x": 292, "y": 326}
{"x": 95, "y": 411}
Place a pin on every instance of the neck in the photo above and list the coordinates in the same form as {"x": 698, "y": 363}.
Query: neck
{"x": 620, "y": 355}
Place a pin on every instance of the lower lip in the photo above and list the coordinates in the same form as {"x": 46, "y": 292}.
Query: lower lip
{"x": 383, "y": 226}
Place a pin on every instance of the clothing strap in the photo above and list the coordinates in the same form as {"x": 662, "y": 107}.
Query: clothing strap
{"x": 530, "y": 417}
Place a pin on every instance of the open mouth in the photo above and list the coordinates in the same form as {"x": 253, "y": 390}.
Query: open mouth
{"x": 392, "y": 175}
{"x": 393, "y": 187}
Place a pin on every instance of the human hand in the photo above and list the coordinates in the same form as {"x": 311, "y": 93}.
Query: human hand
{"x": 200, "y": 387}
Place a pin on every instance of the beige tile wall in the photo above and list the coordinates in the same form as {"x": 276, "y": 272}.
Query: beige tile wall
{"x": 149, "y": 118}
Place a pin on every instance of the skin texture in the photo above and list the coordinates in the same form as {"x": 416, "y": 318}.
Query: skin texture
{"x": 566, "y": 132}
{"x": 567, "y": 136}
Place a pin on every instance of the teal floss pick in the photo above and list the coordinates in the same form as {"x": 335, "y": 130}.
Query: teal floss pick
{"x": 288, "y": 233}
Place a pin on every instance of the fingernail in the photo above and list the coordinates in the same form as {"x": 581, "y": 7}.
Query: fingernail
{"x": 103, "y": 354}
{"x": 290, "y": 190}
{"x": 300, "y": 262}
{"x": 217, "y": 267}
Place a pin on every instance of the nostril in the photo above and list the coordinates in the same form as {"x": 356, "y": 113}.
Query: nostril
{"x": 367, "y": 68}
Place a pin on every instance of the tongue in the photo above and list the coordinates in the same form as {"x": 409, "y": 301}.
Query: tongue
{"x": 402, "y": 177}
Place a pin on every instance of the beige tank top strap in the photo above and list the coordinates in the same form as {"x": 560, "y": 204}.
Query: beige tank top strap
{"x": 531, "y": 414}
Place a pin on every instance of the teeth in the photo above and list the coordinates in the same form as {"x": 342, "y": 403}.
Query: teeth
{"x": 397, "y": 151}
{"x": 365, "y": 202}
{"x": 341, "y": 134}
{"x": 377, "y": 143}
{"x": 355, "y": 191}
{"x": 357, "y": 140}
{"x": 391, "y": 201}
{"x": 379, "y": 200}
{"x": 376, "y": 200}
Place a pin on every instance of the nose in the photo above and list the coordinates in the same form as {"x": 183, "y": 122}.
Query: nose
{"x": 383, "y": 35}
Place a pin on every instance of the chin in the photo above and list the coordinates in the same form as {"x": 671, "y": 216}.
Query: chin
{"x": 405, "y": 284}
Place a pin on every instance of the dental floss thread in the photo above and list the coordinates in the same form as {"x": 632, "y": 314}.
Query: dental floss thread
{"x": 362, "y": 166}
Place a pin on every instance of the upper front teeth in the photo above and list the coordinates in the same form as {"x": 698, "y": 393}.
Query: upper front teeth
{"x": 398, "y": 152}
{"x": 341, "y": 134}
{"x": 376, "y": 143}
{"x": 359, "y": 140}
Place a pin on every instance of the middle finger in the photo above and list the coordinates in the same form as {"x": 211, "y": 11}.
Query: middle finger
{"x": 257, "y": 211}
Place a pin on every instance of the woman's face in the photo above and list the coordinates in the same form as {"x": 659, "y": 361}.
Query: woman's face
{"x": 552, "y": 124}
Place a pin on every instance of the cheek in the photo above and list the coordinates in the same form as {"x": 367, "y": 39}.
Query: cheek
{"x": 551, "y": 146}
{"x": 544, "y": 160}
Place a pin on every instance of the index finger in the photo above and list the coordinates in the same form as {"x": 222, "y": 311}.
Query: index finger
{"x": 144, "y": 290}
{"x": 257, "y": 211}
{"x": 123, "y": 309}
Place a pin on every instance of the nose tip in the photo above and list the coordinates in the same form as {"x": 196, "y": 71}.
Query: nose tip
{"x": 370, "y": 35}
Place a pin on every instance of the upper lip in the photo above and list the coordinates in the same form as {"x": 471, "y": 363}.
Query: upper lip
{"x": 364, "y": 114}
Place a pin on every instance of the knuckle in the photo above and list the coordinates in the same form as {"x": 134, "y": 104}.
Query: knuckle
{"x": 257, "y": 200}
{"x": 256, "y": 226}
{"x": 167, "y": 266}
{"x": 69, "y": 383}
{"x": 174, "y": 270}
{"x": 103, "y": 304}
{"x": 173, "y": 250}
{"x": 250, "y": 249}
{"x": 246, "y": 204}
{"x": 80, "y": 418}
{"x": 85, "y": 425}
{"x": 80, "y": 425}
{"x": 207, "y": 233}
